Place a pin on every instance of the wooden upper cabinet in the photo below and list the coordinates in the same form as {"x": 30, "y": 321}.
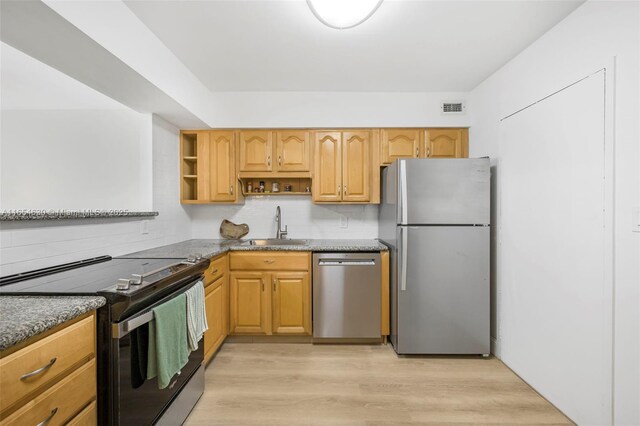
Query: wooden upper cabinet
{"x": 256, "y": 149}
{"x": 327, "y": 179}
{"x": 447, "y": 143}
{"x": 356, "y": 160}
{"x": 291, "y": 303}
{"x": 400, "y": 143}
{"x": 203, "y": 166}
{"x": 222, "y": 166}
{"x": 293, "y": 151}
{"x": 249, "y": 303}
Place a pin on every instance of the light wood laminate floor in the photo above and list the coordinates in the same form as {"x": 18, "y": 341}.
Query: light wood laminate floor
{"x": 304, "y": 384}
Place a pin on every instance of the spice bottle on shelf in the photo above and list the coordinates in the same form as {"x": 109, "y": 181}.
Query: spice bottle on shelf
{"x": 249, "y": 187}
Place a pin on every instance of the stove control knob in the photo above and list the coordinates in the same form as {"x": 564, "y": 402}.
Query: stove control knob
{"x": 198, "y": 257}
{"x": 122, "y": 284}
{"x": 191, "y": 259}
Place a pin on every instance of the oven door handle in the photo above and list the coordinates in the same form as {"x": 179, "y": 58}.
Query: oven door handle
{"x": 123, "y": 328}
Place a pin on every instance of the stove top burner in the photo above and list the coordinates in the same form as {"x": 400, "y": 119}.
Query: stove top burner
{"x": 139, "y": 281}
{"x": 91, "y": 277}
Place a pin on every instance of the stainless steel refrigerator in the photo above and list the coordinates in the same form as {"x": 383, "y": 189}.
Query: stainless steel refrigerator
{"x": 434, "y": 217}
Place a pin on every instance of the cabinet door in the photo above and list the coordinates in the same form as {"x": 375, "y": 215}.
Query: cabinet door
{"x": 400, "y": 143}
{"x": 249, "y": 303}
{"x": 293, "y": 151}
{"x": 222, "y": 166}
{"x": 203, "y": 177}
{"x": 447, "y": 143}
{"x": 214, "y": 301}
{"x": 291, "y": 303}
{"x": 327, "y": 179}
{"x": 356, "y": 159}
{"x": 256, "y": 150}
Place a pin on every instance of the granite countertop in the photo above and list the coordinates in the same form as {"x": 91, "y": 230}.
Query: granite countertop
{"x": 212, "y": 248}
{"x": 22, "y": 317}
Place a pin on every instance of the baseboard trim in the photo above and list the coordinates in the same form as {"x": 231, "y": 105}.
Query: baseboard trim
{"x": 268, "y": 339}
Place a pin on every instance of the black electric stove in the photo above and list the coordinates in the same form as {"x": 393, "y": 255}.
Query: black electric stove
{"x": 132, "y": 287}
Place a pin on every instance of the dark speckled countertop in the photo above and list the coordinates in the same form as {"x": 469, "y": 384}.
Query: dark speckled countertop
{"x": 22, "y": 317}
{"x": 211, "y": 248}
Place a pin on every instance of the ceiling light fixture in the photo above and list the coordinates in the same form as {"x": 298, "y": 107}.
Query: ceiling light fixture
{"x": 343, "y": 14}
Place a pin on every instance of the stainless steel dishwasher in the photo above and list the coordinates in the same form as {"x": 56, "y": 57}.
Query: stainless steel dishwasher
{"x": 346, "y": 295}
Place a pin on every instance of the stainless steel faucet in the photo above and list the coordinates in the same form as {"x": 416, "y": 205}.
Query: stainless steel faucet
{"x": 280, "y": 234}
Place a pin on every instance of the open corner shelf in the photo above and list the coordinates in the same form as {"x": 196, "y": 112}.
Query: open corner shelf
{"x": 189, "y": 166}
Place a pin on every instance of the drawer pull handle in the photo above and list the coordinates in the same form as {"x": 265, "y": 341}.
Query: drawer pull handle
{"x": 48, "y": 419}
{"x": 215, "y": 271}
{"x": 39, "y": 371}
{"x": 269, "y": 261}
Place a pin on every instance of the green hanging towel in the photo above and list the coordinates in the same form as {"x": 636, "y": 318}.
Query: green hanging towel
{"x": 168, "y": 344}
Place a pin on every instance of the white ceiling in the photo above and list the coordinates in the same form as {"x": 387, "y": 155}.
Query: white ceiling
{"x": 407, "y": 46}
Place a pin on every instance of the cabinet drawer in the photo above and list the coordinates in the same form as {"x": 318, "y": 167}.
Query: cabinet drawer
{"x": 270, "y": 261}
{"x": 86, "y": 417}
{"x": 60, "y": 402}
{"x": 46, "y": 359}
{"x": 216, "y": 269}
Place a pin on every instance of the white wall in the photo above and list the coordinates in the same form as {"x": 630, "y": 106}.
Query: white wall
{"x": 304, "y": 219}
{"x": 75, "y": 159}
{"x": 66, "y": 146}
{"x": 586, "y": 41}
{"x": 30, "y": 245}
{"x": 334, "y": 109}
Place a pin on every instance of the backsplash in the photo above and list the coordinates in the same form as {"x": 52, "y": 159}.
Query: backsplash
{"x": 303, "y": 218}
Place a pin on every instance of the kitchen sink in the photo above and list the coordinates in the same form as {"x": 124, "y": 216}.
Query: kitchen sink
{"x": 276, "y": 242}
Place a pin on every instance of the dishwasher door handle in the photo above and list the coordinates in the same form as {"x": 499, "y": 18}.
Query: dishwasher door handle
{"x": 350, "y": 262}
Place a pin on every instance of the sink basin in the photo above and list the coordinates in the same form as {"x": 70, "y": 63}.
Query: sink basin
{"x": 276, "y": 242}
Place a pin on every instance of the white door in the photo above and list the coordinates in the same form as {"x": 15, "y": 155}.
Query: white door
{"x": 554, "y": 283}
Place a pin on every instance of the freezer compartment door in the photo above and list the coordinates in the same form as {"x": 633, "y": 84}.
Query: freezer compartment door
{"x": 443, "y": 191}
{"x": 442, "y": 294}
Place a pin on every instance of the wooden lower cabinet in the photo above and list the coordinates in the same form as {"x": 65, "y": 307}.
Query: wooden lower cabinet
{"x": 216, "y": 305}
{"x": 86, "y": 417}
{"x": 61, "y": 370}
{"x": 61, "y": 402}
{"x": 249, "y": 310}
{"x": 267, "y": 301}
{"x": 216, "y": 301}
{"x": 291, "y": 303}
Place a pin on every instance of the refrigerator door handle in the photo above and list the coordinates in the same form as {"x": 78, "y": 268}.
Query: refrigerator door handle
{"x": 402, "y": 171}
{"x": 403, "y": 258}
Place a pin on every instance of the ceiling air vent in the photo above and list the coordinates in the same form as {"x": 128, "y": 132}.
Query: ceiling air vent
{"x": 452, "y": 107}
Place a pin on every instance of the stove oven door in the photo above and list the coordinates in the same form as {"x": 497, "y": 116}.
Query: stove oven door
{"x": 135, "y": 400}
